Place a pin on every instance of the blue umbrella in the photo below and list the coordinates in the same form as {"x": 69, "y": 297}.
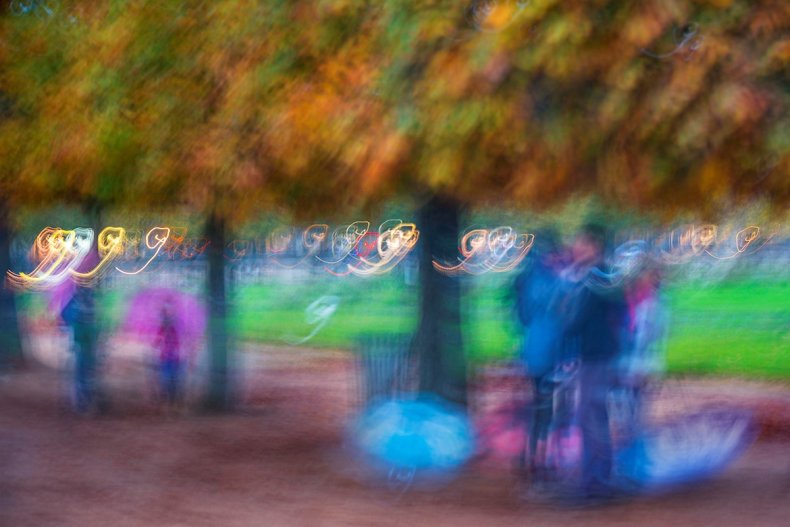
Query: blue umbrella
{"x": 688, "y": 450}
{"x": 415, "y": 434}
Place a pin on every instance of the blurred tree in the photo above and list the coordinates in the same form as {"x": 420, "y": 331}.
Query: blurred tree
{"x": 314, "y": 106}
{"x": 62, "y": 142}
{"x": 660, "y": 106}
{"x": 657, "y": 106}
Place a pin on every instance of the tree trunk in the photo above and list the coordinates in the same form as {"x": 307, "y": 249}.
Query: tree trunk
{"x": 439, "y": 340}
{"x": 10, "y": 336}
{"x": 218, "y": 397}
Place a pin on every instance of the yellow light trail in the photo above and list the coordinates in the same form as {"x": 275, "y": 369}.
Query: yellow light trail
{"x": 312, "y": 238}
{"x": 498, "y": 250}
{"x": 393, "y": 245}
{"x": 110, "y": 244}
{"x": 63, "y": 251}
{"x": 48, "y": 248}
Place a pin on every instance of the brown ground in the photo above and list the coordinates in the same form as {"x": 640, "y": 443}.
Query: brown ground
{"x": 278, "y": 461}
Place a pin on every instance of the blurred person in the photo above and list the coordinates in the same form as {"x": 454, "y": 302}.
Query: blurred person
{"x": 168, "y": 347}
{"x": 642, "y": 359}
{"x": 537, "y": 289}
{"x": 79, "y": 315}
{"x": 597, "y": 314}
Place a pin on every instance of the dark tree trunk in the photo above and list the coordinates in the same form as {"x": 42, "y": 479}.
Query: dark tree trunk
{"x": 218, "y": 397}
{"x": 439, "y": 340}
{"x": 10, "y": 336}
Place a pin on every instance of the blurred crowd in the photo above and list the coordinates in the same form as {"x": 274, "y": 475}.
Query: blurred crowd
{"x": 595, "y": 316}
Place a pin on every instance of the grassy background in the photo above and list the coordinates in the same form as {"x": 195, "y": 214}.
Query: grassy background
{"x": 734, "y": 327}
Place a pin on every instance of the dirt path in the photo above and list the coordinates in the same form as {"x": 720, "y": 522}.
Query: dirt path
{"x": 279, "y": 462}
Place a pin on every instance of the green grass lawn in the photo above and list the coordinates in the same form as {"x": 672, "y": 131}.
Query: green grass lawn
{"x": 734, "y": 328}
{"x": 731, "y": 328}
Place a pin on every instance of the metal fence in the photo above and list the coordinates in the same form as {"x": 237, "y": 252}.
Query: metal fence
{"x": 385, "y": 367}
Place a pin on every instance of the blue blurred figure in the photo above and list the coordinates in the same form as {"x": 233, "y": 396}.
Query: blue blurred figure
{"x": 642, "y": 359}
{"x": 170, "y": 360}
{"x": 537, "y": 291}
{"x": 79, "y": 315}
{"x": 598, "y": 317}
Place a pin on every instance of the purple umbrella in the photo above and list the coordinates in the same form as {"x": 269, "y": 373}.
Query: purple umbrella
{"x": 60, "y": 295}
{"x": 145, "y": 314}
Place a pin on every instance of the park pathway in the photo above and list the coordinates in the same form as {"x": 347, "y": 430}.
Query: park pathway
{"x": 278, "y": 460}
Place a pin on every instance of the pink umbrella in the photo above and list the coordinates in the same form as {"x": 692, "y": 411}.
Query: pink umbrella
{"x": 145, "y": 313}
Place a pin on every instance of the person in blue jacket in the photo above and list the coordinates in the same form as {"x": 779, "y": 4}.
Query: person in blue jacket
{"x": 537, "y": 290}
{"x": 79, "y": 315}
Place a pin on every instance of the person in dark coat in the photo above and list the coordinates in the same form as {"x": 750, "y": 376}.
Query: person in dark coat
{"x": 599, "y": 316}
{"x": 80, "y": 315}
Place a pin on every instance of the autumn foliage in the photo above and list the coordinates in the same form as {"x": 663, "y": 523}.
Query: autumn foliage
{"x": 238, "y": 106}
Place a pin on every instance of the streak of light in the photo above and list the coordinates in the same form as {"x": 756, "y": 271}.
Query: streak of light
{"x": 392, "y": 246}
{"x": 63, "y": 251}
{"x": 155, "y": 239}
{"x": 482, "y": 251}
{"x": 110, "y": 243}
{"x": 343, "y": 241}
